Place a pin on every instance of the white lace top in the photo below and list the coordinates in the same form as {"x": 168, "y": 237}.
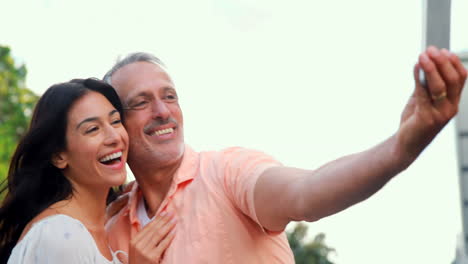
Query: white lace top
{"x": 59, "y": 239}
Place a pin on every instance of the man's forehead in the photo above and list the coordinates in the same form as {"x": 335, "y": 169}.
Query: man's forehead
{"x": 138, "y": 76}
{"x": 134, "y": 71}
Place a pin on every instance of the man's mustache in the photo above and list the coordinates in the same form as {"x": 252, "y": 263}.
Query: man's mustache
{"x": 159, "y": 122}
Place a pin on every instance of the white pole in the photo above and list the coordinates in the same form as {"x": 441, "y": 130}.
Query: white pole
{"x": 436, "y": 26}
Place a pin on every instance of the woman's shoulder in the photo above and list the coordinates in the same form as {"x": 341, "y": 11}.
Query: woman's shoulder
{"x": 47, "y": 213}
{"x": 58, "y": 237}
{"x": 59, "y": 222}
{"x": 47, "y": 218}
{"x": 56, "y": 230}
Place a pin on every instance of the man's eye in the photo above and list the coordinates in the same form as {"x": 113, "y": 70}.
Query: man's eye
{"x": 171, "y": 97}
{"x": 139, "y": 104}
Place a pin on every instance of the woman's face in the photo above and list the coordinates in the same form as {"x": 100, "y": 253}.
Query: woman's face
{"x": 97, "y": 144}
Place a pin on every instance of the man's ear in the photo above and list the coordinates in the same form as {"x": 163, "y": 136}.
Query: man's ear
{"x": 59, "y": 160}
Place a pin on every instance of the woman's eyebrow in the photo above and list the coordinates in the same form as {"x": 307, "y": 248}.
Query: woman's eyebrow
{"x": 89, "y": 119}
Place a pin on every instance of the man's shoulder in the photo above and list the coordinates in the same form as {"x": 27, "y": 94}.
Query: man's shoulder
{"x": 235, "y": 160}
{"x": 234, "y": 153}
{"x": 229, "y": 152}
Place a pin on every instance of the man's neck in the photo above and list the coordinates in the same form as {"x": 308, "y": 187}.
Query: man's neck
{"x": 155, "y": 183}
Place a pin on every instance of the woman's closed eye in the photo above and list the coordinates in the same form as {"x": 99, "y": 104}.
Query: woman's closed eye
{"x": 91, "y": 129}
{"x": 117, "y": 121}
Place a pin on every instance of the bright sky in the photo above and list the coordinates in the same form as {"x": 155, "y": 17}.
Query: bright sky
{"x": 305, "y": 81}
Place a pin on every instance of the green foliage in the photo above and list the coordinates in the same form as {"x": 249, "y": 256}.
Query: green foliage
{"x": 313, "y": 252}
{"x": 16, "y": 106}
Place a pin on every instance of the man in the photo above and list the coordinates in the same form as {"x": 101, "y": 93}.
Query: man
{"x": 232, "y": 206}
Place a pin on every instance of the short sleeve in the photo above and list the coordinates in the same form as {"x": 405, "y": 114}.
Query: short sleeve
{"x": 242, "y": 168}
{"x": 55, "y": 240}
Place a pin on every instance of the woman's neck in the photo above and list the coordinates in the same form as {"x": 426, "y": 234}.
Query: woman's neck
{"x": 88, "y": 205}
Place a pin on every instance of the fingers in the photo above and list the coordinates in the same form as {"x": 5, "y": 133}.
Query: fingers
{"x": 447, "y": 71}
{"x": 420, "y": 91}
{"x": 458, "y": 65}
{"x": 128, "y": 186}
{"x": 163, "y": 245}
{"x": 148, "y": 245}
{"x": 430, "y": 61}
{"x": 163, "y": 241}
{"x": 161, "y": 229}
{"x": 155, "y": 231}
{"x": 114, "y": 207}
{"x": 445, "y": 75}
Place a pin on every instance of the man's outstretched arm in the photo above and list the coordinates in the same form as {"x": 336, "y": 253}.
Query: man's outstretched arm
{"x": 284, "y": 194}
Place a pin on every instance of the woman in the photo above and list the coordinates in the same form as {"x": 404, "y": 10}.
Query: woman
{"x": 61, "y": 176}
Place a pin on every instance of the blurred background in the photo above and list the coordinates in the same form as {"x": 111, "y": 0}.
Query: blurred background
{"x": 305, "y": 81}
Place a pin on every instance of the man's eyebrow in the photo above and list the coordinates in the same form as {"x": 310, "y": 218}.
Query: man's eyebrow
{"x": 91, "y": 119}
{"x": 169, "y": 88}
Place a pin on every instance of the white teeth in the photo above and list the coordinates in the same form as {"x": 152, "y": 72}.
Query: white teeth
{"x": 111, "y": 156}
{"x": 163, "y": 131}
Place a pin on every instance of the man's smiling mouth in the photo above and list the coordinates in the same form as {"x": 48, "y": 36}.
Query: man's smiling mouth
{"x": 163, "y": 131}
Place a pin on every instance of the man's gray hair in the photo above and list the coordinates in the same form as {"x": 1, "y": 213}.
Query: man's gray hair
{"x": 129, "y": 59}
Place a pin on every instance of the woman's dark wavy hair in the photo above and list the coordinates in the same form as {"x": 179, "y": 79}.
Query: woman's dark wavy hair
{"x": 33, "y": 182}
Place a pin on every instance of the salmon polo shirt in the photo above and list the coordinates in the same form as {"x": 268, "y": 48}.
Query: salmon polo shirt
{"x": 212, "y": 198}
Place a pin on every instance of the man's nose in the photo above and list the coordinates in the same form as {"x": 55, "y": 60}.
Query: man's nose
{"x": 160, "y": 110}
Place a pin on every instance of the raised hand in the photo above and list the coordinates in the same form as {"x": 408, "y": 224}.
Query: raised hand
{"x": 432, "y": 106}
{"x": 119, "y": 203}
{"x": 149, "y": 245}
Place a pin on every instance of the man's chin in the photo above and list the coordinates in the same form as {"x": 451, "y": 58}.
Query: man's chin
{"x": 168, "y": 151}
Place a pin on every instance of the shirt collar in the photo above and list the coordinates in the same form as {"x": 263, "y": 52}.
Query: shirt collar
{"x": 134, "y": 197}
{"x": 188, "y": 167}
{"x": 186, "y": 172}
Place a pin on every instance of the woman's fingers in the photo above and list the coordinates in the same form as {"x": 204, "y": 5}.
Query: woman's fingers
{"x": 161, "y": 230}
{"x": 117, "y": 205}
{"x": 128, "y": 187}
{"x": 154, "y": 231}
{"x": 148, "y": 245}
{"x": 160, "y": 249}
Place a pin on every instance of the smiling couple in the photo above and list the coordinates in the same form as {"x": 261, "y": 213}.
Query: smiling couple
{"x": 227, "y": 206}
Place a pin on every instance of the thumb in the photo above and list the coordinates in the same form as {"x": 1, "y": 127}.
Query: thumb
{"x": 420, "y": 91}
{"x": 117, "y": 205}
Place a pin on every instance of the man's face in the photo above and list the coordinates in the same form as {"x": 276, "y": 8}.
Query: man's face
{"x": 153, "y": 117}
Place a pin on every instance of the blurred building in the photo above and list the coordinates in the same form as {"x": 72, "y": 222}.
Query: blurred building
{"x": 461, "y": 122}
